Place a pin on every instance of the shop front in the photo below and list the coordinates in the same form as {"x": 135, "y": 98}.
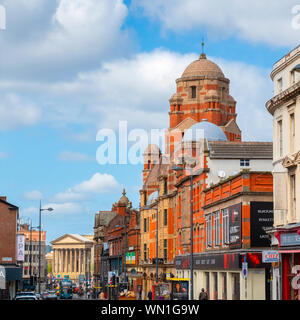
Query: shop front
{"x": 289, "y": 249}
{"x": 10, "y": 279}
{"x": 221, "y": 275}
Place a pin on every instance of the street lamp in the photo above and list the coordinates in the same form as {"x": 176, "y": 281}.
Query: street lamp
{"x": 40, "y": 226}
{"x": 178, "y": 169}
{"x": 147, "y": 207}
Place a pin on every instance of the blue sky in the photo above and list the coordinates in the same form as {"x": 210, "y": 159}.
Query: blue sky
{"x": 69, "y": 68}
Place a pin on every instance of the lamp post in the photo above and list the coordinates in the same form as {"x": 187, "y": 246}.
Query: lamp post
{"x": 40, "y": 226}
{"x": 177, "y": 169}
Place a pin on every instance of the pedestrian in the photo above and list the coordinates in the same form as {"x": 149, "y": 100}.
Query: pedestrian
{"x": 102, "y": 297}
{"x": 203, "y": 295}
{"x": 150, "y": 295}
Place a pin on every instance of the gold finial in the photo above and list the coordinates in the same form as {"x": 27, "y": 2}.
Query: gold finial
{"x": 124, "y": 192}
{"x": 203, "y": 55}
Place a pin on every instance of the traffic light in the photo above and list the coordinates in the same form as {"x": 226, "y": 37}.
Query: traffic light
{"x": 113, "y": 278}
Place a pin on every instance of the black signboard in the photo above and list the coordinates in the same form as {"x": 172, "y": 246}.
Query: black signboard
{"x": 225, "y": 261}
{"x": 261, "y": 217}
{"x": 235, "y": 230}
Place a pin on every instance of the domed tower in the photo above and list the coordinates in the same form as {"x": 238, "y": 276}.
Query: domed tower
{"x": 203, "y": 93}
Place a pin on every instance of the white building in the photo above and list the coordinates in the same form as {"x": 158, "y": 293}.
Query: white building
{"x": 285, "y": 108}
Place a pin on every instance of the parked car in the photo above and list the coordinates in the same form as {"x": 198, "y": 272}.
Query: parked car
{"x": 26, "y": 297}
{"x": 51, "y": 295}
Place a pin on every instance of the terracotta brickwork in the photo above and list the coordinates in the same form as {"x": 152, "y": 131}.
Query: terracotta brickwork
{"x": 8, "y": 231}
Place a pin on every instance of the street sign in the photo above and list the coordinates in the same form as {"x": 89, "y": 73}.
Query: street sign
{"x": 245, "y": 269}
{"x": 270, "y": 256}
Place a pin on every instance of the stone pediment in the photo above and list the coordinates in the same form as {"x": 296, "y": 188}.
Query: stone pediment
{"x": 71, "y": 239}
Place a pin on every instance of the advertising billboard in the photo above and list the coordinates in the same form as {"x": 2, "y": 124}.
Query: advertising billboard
{"x": 261, "y": 218}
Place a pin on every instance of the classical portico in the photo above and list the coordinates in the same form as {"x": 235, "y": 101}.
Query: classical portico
{"x": 72, "y": 256}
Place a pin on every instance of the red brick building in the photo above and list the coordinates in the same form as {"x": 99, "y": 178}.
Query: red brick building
{"x": 9, "y": 214}
{"x": 203, "y": 129}
{"x": 119, "y": 230}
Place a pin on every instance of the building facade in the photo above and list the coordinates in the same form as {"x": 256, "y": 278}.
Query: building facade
{"x": 285, "y": 109}
{"x": 73, "y": 257}
{"x": 202, "y": 131}
{"x": 116, "y": 235}
{"x": 31, "y": 258}
{"x": 10, "y": 267}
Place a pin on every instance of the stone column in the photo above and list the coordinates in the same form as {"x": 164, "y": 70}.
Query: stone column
{"x": 60, "y": 261}
{"x": 79, "y": 261}
{"x": 66, "y": 261}
{"x": 71, "y": 260}
{"x": 84, "y": 260}
{"x": 53, "y": 261}
{"x": 75, "y": 261}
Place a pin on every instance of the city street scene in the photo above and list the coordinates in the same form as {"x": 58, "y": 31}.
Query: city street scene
{"x": 150, "y": 150}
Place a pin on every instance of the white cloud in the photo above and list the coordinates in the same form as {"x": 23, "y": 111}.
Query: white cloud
{"x": 251, "y": 87}
{"x": 64, "y": 208}
{"x": 15, "y": 112}
{"x": 33, "y": 195}
{"x": 99, "y": 183}
{"x": 255, "y": 21}
{"x": 4, "y": 155}
{"x": 70, "y": 196}
{"x": 42, "y": 37}
{"x": 138, "y": 90}
{"x": 29, "y": 211}
{"x": 74, "y": 157}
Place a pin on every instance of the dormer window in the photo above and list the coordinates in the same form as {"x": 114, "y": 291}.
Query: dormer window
{"x": 193, "y": 92}
{"x": 245, "y": 162}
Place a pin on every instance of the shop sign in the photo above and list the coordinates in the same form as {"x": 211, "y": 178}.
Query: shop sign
{"x": 289, "y": 239}
{"x": 225, "y": 261}
{"x": 20, "y": 247}
{"x": 261, "y": 218}
{"x": 130, "y": 258}
{"x": 2, "y": 277}
{"x": 270, "y": 256}
{"x": 7, "y": 259}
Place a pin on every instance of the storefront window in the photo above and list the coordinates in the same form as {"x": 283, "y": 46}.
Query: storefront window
{"x": 235, "y": 286}
{"x": 207, "y": 282}
{"x": 224, "y": 286}
{"x": 215, "y": 293}
{"x": 225, "y": 224}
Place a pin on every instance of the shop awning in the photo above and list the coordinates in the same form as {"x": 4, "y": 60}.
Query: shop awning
{"x": 13, "y": 273}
